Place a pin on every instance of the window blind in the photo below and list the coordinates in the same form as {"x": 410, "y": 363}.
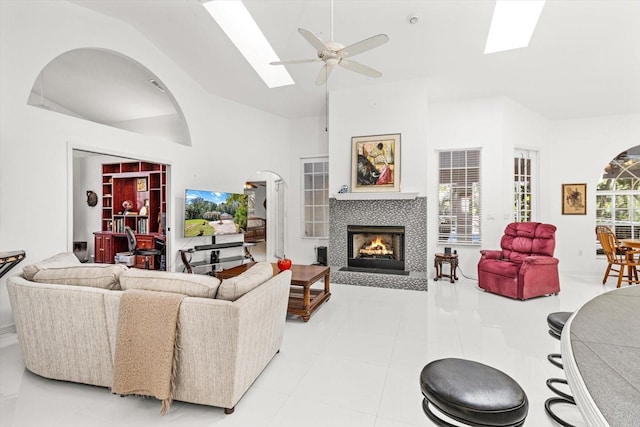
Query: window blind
{"x": 459, "y": 196}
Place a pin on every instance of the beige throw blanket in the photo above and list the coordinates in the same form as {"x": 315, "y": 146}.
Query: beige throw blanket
{"x": 146, "y": 345}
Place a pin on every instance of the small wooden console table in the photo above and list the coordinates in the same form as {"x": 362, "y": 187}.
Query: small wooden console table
{"x": 452, "y": 260}
{"x": 302, "y": 302}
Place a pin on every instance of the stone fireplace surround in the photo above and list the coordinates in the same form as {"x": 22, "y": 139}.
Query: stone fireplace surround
{"x": 410, "y": 213}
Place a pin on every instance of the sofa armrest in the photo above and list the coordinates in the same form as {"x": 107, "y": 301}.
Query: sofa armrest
{"x": 261, "y": 321}
{"x": 538, "y": 276}
{"x": 226, "y": 345}
{"x": 62, "y": 330}
{"x": 541, "y": 260}
{"x": 491, "y": 254}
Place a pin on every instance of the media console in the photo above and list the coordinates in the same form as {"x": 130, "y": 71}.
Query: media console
{"x": 220, "y": 254}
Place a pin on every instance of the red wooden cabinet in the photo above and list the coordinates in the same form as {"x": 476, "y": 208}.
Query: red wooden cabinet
{"x": 104, "y": 248}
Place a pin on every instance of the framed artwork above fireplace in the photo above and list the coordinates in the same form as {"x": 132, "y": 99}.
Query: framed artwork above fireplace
{"x": 375, "y": 163}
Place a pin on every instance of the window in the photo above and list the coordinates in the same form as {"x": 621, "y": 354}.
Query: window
{"x": 524, "y": 185}
{"x": 618, "y": 195}
{"x": 315, "y": 187}
{"x": 251, "y": 202}
{"x": 459, "y": 196}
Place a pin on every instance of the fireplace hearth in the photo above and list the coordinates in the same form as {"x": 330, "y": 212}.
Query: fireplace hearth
{"x": 377, "y": 249}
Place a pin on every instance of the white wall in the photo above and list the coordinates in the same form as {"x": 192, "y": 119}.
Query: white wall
{"x": 579, "y": 151}
{"x": 308, "y": 138}
{"x": 35, "y": 144}
{"x": 87, "y": 175}
{"x": 471, "y": 124}
{"x": 400, "y": 107}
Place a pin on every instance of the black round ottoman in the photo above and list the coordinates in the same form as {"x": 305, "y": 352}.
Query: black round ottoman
{"x": 472, "y": 393}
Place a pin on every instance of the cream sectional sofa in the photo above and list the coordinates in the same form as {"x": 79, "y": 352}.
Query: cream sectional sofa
{"x": 66, "y": 317}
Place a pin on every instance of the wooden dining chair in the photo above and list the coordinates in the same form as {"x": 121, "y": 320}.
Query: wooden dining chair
{"x": 626, "y": 260}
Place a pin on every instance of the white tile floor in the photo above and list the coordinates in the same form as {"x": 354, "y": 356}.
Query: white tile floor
{"x": 355, "y": 363}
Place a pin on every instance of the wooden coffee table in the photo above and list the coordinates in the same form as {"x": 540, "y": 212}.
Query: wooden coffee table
{"x": 302, "y": 302}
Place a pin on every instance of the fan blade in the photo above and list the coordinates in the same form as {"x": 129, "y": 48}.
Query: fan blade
{"x": 313, "y": 40}
{"x": 365, "y": 45}
{"x": 359, "y": 68}
{"x": 295, "y": 61}
{"x": 324, "y": 74}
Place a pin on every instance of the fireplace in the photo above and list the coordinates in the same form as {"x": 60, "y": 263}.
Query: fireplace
{"x": 375, "y": 247}
{"x": 411, "y": 213}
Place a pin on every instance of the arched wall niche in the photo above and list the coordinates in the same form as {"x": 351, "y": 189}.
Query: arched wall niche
{"x": 107, "y": 87}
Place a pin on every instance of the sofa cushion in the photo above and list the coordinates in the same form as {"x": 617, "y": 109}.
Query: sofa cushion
{"x": 63, "y": 259}
{"x": 193, "y": 285}
{"x": 105, "y": 276}
{"x": 233, "y": 288}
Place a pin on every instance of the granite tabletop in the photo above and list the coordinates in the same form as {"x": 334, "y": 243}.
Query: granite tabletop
{"x": 602, "y": 348}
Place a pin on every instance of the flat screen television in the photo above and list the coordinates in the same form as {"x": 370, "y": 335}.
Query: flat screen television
{"x": 212, "y": 213}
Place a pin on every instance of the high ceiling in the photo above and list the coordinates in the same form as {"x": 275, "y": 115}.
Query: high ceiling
{"x": 583, "y": 59}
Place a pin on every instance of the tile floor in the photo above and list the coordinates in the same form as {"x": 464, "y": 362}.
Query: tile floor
{"x": 355, "y": 363}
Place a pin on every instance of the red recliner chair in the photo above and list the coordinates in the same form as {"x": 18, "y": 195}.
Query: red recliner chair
{"x": 525, "y": 267}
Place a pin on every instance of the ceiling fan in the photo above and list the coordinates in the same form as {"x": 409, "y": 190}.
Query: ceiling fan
{"x": 333, "y": 53}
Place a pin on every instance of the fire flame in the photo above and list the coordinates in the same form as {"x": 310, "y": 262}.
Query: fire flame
{"x": 376, "y": 247}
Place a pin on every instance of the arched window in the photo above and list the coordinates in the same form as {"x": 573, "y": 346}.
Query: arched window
{"x": 618, "y": 195}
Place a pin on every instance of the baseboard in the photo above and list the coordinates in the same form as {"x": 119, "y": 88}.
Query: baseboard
{"x": 8, "y": 329}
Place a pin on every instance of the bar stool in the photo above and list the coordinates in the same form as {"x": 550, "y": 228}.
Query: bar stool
{"x": 472, "y": 393}
{"x": 556, "y": 322}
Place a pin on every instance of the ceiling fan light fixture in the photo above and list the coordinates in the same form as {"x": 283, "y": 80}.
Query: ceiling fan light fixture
{"x": 238, "y": 24}
{"x": 333, "y": 53}
{"x": 512, "y": 24}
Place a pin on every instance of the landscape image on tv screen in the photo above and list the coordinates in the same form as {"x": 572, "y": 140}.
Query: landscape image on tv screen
{"x": 212, "y": 213}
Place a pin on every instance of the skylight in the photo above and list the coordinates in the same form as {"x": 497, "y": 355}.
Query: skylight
{"x": 513, "y": 24}
{"x": 236, "y": 21}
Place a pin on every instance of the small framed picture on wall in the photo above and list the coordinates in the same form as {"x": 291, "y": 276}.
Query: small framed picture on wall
{"x": 142, "y": 184}
{"x": 574, "y": 199}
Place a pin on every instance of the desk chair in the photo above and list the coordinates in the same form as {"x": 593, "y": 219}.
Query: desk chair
{"x": 134, "y": 250}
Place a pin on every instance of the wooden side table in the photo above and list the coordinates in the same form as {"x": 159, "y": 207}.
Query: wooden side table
{"x": 303, "y": 302}
{"x": 452, "y": 260}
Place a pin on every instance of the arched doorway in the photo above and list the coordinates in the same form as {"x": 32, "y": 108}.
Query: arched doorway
{"x": 268, "y": 191}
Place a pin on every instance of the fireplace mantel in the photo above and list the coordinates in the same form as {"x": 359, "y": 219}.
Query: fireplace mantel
{"x": 375, "y": 196}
